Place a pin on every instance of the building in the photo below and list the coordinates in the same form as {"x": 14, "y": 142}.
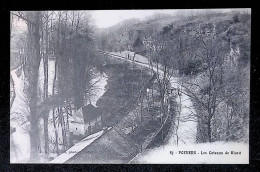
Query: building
{"x": 92, "y": 118}
{"x": 147, "y": 41}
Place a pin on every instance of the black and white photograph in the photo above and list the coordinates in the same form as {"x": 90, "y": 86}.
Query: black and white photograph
{"x": 135, "y": 86}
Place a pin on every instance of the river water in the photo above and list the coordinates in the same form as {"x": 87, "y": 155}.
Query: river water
{"x": 19, "y": 113}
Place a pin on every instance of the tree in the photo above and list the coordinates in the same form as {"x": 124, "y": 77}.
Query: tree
{"x": 209, "y": 93}
{"x": 66, "y": 37}
{"x": 47, "y": 16}
{"x": 161, "y": 61}
{"x": 138, "y": 45}
{"x": 200, "y": 59}
{"x": 33, "y": 20}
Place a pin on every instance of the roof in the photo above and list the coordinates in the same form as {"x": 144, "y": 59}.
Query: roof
{"x": 90, "y": 112}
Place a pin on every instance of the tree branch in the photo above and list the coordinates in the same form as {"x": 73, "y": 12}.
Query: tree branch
{"x": 20, "y": 16}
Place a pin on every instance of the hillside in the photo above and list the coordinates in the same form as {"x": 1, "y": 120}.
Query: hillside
{"x": 211, "y": 52}
{"x": 132, "y": 34}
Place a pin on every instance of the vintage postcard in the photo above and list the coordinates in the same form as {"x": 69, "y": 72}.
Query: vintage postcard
{"x": 130, "y": 86}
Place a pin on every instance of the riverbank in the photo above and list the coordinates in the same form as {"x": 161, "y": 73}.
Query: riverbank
{"x": 20, "y": 113}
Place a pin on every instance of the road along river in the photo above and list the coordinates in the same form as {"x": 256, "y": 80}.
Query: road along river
{"x": 187, "y": 129}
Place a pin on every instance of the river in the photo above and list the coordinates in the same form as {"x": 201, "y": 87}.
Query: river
{"x": 20, "y": 113}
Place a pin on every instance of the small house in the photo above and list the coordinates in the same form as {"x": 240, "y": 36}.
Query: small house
{"x": 90, "y": 113}
{"x": 92, "y": 117}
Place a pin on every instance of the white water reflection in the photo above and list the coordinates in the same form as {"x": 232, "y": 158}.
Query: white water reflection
{"x": 100, "y": 82}
{"x": 20, "y": 112}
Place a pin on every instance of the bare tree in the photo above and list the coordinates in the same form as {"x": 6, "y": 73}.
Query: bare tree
{"x": 46, "y": 16}
{"x": 33, "y": 20}
{"x": 209, "y": 94}
{"x": 160, "y": 61}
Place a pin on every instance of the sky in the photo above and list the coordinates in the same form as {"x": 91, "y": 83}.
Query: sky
{"x": 107, "y": 18}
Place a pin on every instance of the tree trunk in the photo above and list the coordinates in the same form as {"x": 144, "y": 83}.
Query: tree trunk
{"x": 227, "y": 132}
{"x": 179, "y": 115}
{"x": 209, "y": 130}
{"x": 67, "y": 112}
{"x": 53, "y": 114}
{"x": 45, "y": 88}
{"x": 32, "y": 70}
{"x": 141, "y": 111}
{"x": 46, "y": 135}
{"x": 34, "y": 135}
{"x": 63, "y": 127}
{"x": 56, "y": 132}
